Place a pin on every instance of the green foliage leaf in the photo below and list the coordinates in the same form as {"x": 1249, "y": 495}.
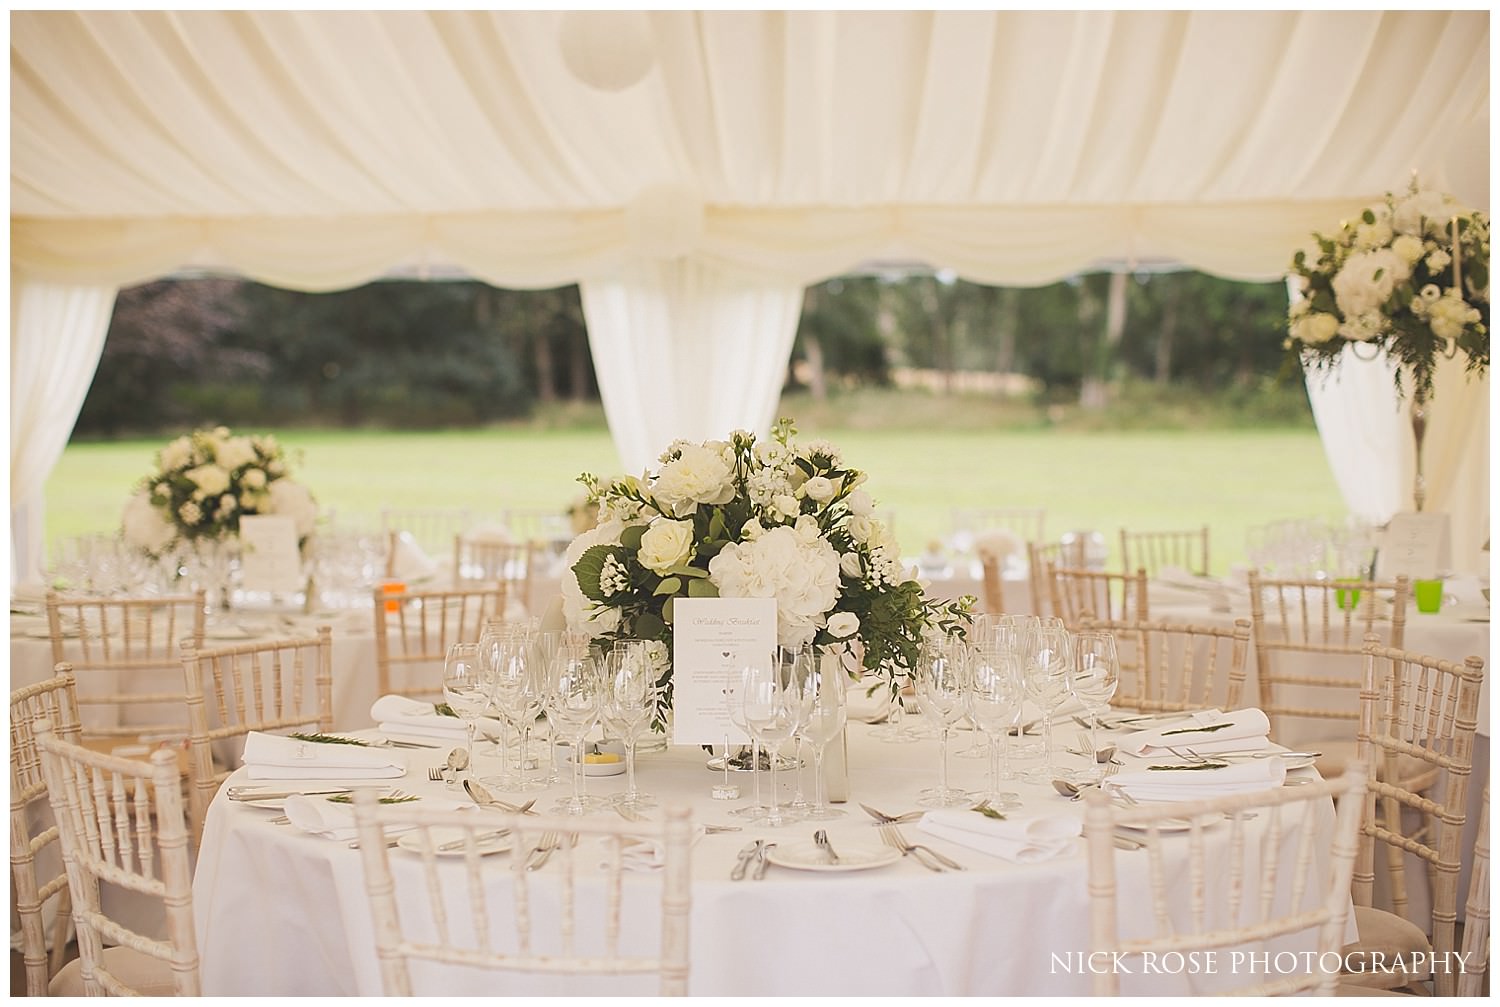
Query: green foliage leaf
{"x": 702, "y": 589}
{"x": 670, "y": 585}
{"x": 588, "y": 568}
{"x": 666, "y": 611}
{"x": 648, "y": 626}
{"x": 630, "y": 538}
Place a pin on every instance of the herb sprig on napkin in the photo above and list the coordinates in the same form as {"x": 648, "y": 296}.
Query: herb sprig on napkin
{"x": 328, "y": 739}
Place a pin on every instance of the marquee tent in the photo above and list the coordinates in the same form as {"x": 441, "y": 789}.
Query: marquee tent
{"x": 694, "y": 171}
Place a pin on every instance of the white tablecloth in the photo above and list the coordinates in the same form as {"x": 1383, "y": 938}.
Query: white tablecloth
{"x": 281, "y": 912}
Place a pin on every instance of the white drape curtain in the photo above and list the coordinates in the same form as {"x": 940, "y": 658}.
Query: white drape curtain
{"x": 56, "y": 335}
{"x": 1367, "y": 436}
{"x": 684, "y": 348}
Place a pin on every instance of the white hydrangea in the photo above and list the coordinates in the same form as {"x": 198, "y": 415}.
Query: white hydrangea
{"x": 799, "y": 570}
{"x": 1449, "y": 315}
{"x": 234, "y": 453}
{"x": 293, "y": 500}
{"x": 580, "y": 612}
{"x": 697, "y": 475}
{"x": 144, "y": 525}
{"x": 1366, "y": 281}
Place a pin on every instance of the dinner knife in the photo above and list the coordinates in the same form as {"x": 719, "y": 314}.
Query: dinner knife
{"x": 743, "y": 864}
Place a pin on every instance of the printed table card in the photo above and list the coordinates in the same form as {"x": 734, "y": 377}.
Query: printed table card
{"x": 269, "y": 560}
{"x": 1417, "y": 545}
{"x": 712, "y": 640}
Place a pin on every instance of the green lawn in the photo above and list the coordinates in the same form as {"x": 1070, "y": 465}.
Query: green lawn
{"x": 1230, "y": 479}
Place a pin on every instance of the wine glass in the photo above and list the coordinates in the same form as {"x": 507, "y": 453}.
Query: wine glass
{"x": 1048, "y": 656}
{"x": 941, "y": 681}
{"x": 574, "y": 698}
{"x": 824, "y": 687}
{"x": 771, "y": 714}
{"x": 995, "y": 694}
{"x": 465, "y": 688}
{"x": 1095, "y": 677}
{"x": 734, "y": 705}
{"x": 519, "y": 694}
{"x": 629, "y": 698}
{"x": 797, "y": 667}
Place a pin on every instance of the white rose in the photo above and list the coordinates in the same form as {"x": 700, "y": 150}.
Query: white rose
{"x": 842, "y": 624}
{"x": 1316, "y": 328}
{"x": 851, "y": 566}
{"x": 1410, "y": 249}
{"x": 145, "y": 526}
{"x": 211, "y": 480}
{"x": 176, "y": 454}
{"x": 1366, "y": 281}
{"x": 820, "y": 488}
{"x": 860, "y": 503}
{"x": 860, "y": 527}
{"x": 293, "y": 500}
{"x": 253, "y": 479}
{"x": 666, "y": 544}
{"x": 234, "y": 453}
{"x": 786, "y": 505}
{"x": 699, "y": 475}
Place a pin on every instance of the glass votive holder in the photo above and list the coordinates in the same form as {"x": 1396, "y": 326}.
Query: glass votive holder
{"x": 1429, "y": 595}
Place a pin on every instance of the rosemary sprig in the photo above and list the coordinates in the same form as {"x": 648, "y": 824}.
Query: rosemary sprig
{"x": 328, "y": 739}
{"x": 990, "y": 813}
{"x": 1198, "y": 730}
{"x": 1196, "y": 765}
{"x": 444, "y": 710}
{"x": 346, "y": 799}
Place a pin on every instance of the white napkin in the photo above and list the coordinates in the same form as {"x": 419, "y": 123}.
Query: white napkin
{"x": 1249, "y": 776}
{"x": 319, "y": 816}
{"x": 639, "y": 854}
{"x": 410, "y": 562}
{"x": 1248, "y": 729}
{"x": 1019, "y": 840}
{"x": 272, "y": 757}
{"x": 868, "y": 709}
{"x": 407, "y": 719}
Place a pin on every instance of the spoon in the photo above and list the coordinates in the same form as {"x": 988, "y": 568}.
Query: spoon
{"x": 1103, "y": 755}
{"x": 458, "y": 761}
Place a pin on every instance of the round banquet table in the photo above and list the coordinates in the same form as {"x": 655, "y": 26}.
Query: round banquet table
{"x": 283, "y": 912}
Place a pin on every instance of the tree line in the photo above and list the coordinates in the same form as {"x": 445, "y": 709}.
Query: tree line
{"x": 410, "y": 354}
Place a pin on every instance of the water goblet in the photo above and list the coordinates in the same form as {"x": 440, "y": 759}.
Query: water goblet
{"x": 771, "y": 713}
{"x": 995, "y": 694}
{"x": 941, "y": 681}
{"x": 1048, "y": 656}
{"x": 1095, "y": 677}
{"x": 734, "y": 705}
{"x": 465, "y": 688}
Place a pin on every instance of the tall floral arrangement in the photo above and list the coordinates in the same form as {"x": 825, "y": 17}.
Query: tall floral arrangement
{"x": 205, "y": 481}
{"x": 745, "y": 518}
{"x": 1409, "y": 276}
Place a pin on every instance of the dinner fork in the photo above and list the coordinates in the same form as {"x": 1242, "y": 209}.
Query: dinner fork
{"x": 893, "y": 837}
{"x": 435, "y": 774}
{"x": 882, "y": 818}
{"x": 542, "y": 850}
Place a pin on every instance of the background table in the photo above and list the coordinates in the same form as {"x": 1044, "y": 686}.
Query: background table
{"x": 996, "y": 928}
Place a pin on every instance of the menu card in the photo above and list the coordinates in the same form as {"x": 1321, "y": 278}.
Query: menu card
{"x": 1417, "y": 545}
{"x": 712, "y": 640}
{"x": 269, "y": 560}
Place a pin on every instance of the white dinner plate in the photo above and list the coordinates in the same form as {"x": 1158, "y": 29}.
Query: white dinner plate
{"x": 852, "y": 856}
{"x": 415, "y": 842}
{"x": 1164, "y": 826}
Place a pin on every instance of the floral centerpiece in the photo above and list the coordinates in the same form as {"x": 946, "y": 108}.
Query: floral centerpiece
{"x": 1410, "y": 276}
{"x": 750, "y": 518}
{"x": 205, "y": 482}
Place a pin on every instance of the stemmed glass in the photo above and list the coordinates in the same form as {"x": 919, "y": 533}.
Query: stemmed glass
{"x": 996, "y": 691}
{"x": 465, "y": 688}
{"x": 519, "y": 694}
{"x": 797, "y": 663}
{"x": 824, "y": 687}
{"x": 771, "y": 713}
{"x": 629, "y": 698}
{"x": 941, "y": 684}
{"x": 734, "y": 705}
{"x": 574, "y": 698}
{"x": 1095, "y": 677}
{"x": 1049, "y": 664}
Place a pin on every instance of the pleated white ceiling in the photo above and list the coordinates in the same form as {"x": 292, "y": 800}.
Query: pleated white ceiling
{"x": 318, "y": 150}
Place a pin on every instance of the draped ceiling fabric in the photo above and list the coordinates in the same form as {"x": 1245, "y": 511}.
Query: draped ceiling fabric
{"x": 666, "y": 159}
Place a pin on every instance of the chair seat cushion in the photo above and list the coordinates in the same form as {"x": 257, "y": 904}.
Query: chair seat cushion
{"x": 146, "y": 975}
{"x": 1383, "y": 938}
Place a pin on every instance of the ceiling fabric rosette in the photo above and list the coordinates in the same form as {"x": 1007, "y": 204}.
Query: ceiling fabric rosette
{"x": 670, "y": 157}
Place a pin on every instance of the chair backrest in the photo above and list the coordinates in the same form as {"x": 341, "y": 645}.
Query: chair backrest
{"x": 1178, "y": 666}
{"x": 568, "y": 920}
{"x": 1028, "y": 523}
{"x": 1293, "y": 618}
{"x": 993, "y": 600}
{"x": 1078, "y": 593}
{"x": 36, "y": 868}
{"x": 272, "y": 686}
{"x": 432, "y": 528}
{"x": 1476, "y": 944}
{"x": 1041, "y": 558}
{"x": 123, "y": 652}
{"x": 1416, "y": 709}
{"x": 1155, "y": 550}
{"x": 413, "y": 630}
{"x": 121, "y": 823}
{"x": 1231, "y": 874}
{"x": 488, "y": 562}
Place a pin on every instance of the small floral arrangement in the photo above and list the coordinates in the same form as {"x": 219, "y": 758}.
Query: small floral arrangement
{"x": 1410, "y": 276}
{"x": 750, "y": 518}
{"x": 204, "y": 482}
